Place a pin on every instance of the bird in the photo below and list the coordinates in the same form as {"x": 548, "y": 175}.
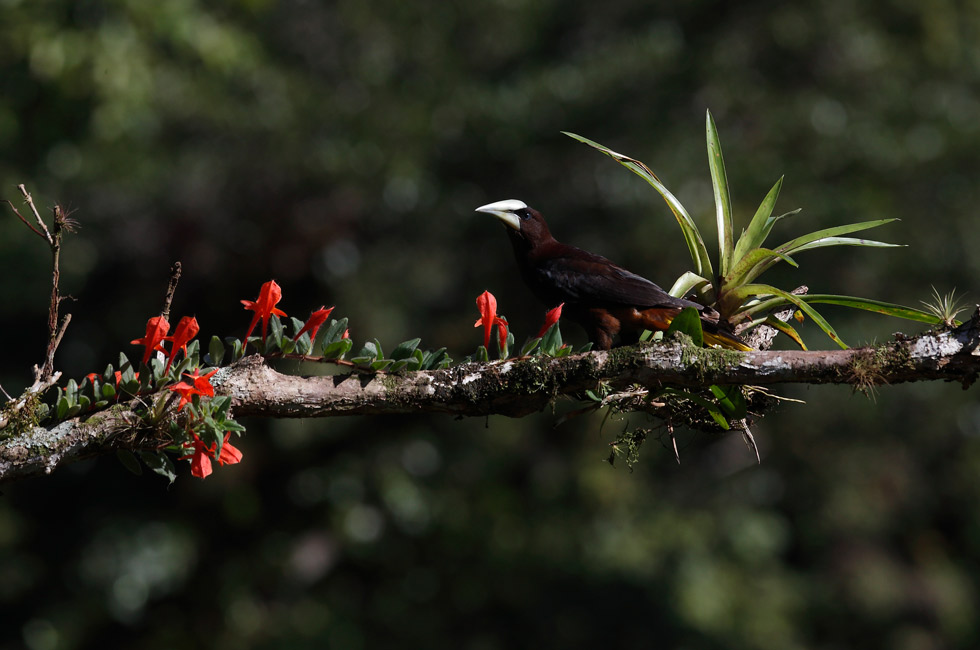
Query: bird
{"x": 603, "y": 297}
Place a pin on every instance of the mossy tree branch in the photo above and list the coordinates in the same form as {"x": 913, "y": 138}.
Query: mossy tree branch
{"x": 514, "y": 388}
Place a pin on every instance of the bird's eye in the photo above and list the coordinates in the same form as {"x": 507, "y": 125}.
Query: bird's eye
{"x": 524, "y": 214}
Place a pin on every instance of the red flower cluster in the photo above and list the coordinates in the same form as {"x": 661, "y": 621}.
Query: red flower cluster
{"x": 202, "y": 454}
{"x": 156, "y": 333}
{"x": 200, "y": 385}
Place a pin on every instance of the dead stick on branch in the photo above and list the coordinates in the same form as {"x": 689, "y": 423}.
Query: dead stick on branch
{"x": 56, "y": 330}
{"x": 171, "y": 288}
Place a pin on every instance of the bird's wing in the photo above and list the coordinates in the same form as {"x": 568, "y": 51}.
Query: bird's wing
{"x": 586, "y": 277}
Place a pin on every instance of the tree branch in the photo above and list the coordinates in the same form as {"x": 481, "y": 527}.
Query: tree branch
{"x": 514, "y": 387}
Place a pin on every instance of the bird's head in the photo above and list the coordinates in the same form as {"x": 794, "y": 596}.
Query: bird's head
{"x": 523, "y": 223}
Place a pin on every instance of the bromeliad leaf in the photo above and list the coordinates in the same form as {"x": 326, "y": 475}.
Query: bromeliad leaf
{"x": 723, "y": 201}
{"x": 786, "y": 329}
{"x": 794, "y": 245}
{"x": 760, "y": 226}
{"x": 695, "y": 244}
{"x": 688, "y": 282}
{"x": 764, "y": 290}
{"x": 750, "y": 266}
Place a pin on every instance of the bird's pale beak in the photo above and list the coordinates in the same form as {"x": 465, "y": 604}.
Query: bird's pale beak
{"x": 504, "y": 210}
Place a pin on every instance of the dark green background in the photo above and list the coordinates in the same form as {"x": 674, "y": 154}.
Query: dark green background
{"x": 341, "y": 148}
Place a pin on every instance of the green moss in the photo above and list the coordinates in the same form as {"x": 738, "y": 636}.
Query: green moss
{"x": 707, "y": 361}
{"x": 22, "y": 421}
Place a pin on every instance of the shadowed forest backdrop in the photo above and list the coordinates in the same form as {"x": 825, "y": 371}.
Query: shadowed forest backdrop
{"x": 341, "y": 148}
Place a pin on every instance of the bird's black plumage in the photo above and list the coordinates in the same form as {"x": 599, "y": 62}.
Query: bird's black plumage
{"x": 605, "y": 298}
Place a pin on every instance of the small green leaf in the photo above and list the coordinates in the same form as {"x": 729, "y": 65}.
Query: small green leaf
{"x": 434, "y": 359}
{"x": 381, "y": 364}
{"x": 367, "y": 354}
{"x": 530, "y": 347}
{"x": 84, "y": 402}
{"x": 193, "y": 351}
{"x": 160, "y": 464}
{"x": 157, "y": 368}
{"x": 108, "y": 391}
{"x": 337, "y": 349}
{"x": 688, "y": 322}
{"x": 731, "y": 400}
{"x": 71, "y": 391}
{"x": 551, "y": 341}
{"x": 61, "y": 410}
{"x": 297, "y": 325}
{"x": 334, "y": 331}
{"x": 713, "y": 410}
{"x": 276, "y": 329}
{"x": 101, "y": 404}
{"x": 237, "y": 348}
{"x": 129, "y": 461}
{"x": 405, "y": 349}
{"x": 216, "y": 351}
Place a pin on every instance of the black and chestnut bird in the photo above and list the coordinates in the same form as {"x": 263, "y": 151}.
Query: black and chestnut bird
{"x": 604, "y": 298}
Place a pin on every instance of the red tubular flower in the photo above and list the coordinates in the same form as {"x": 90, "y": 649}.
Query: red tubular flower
{"x": 346, "y": 334}
{"x": 186, "y": 330}
{"x": 92, "y": 376}
{"x": 201, "y": 385}
{"x": 156, "y": 333}
{"x": 269, "y": 296}
{"x": 550, "y": 319}
{"x": 202, "y": 454}
{"x": 230, "y": 455}
{"x": 316, "y": 319}
{"x": 200, "y": 458}
{"x": 487, "y": 305}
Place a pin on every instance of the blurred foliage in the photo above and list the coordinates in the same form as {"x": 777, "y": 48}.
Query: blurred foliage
{"x": 341, "y": 147}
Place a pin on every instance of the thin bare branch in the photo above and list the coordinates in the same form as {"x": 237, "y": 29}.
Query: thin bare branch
{"x": 171, "y": 289}
{"x": 40, "y": 222}
{"x": 26, "y": 222}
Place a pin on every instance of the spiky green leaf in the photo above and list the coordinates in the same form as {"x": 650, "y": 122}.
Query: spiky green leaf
{"x": 723, "y": 201}
{"x": 755, "y": 235}
{"x": 692, "y": 237}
